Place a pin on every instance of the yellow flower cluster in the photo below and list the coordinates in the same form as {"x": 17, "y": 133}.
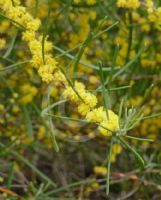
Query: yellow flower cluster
{"x": 86, "y": 103}
{"x": 108, "y": 124}
{"x": 47, "y": 68}
{"x": 130, "y": 4}
{"x": 45, "y": 64}
{"x": 85, "y": 100}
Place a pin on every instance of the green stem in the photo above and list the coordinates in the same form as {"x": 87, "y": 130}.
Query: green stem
{"x": 14, "y": 65}
{"x": 13, "y": 21}
{"x": 139, "y": 139}
{"x": 108, "y": 167}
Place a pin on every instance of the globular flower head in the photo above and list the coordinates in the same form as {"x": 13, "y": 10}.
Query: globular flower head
{"x": 111, "y": 125}
{"x": 46, "y": 73}
{"x": 96, "y": 115}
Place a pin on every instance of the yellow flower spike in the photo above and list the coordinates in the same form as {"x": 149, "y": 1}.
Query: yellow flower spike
{"x": 85, "y": 101}
{"x": 88, "y": 98}
{"x": 49, "y": 72}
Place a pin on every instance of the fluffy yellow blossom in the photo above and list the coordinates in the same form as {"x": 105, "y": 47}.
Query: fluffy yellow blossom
{"x": 20, "y": 15}
{"x": 96, "y": 115}
{"x": 131, "y": 4}
{"x": 83, "y": 109}
{"x": 46, "y": 73}
{"x": 59, "y": 78}
{"x": 36, "y": 46}
{"x": 110, "y": 125}
{"x": 28, "y": 36}
{"x": 87, "y": 98}
{"x": 37, "y": 60}
{"x": 100, "y": 170}
{"x": 33, "y": 25}
{"x": 69, "y": 93}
